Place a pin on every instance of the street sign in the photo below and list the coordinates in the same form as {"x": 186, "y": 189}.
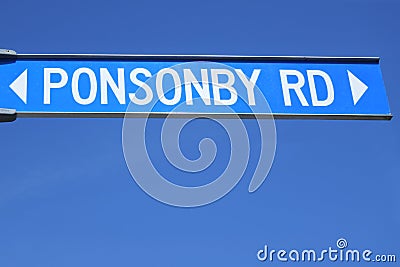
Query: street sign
{"x": 104, "y": 86}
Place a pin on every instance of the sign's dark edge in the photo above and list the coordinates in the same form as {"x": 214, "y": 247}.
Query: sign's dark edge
{"x": 185, "y": 58}
{"x": 207, "y": 115}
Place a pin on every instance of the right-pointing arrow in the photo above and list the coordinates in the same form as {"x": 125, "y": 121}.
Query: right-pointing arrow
{"x": 358, "y": 88}
{"x": 19, "y": 85}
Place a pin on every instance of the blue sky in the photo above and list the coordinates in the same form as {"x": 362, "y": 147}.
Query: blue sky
{"x": 67, "y": 197}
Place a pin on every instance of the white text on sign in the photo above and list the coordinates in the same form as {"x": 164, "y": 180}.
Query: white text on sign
{"x": 209, "y": 87}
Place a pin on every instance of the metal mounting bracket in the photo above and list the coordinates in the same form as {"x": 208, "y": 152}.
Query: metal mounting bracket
{"x": 7, "y": 56}
{"x": 7, "y": 115}
{"x": 7, "y": 52}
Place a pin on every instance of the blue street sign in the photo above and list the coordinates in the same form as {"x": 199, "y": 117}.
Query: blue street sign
{"x": 105, "y": 85}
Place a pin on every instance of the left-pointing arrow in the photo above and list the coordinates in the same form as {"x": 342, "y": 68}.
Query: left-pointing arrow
{"x": 19, "y": 86}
